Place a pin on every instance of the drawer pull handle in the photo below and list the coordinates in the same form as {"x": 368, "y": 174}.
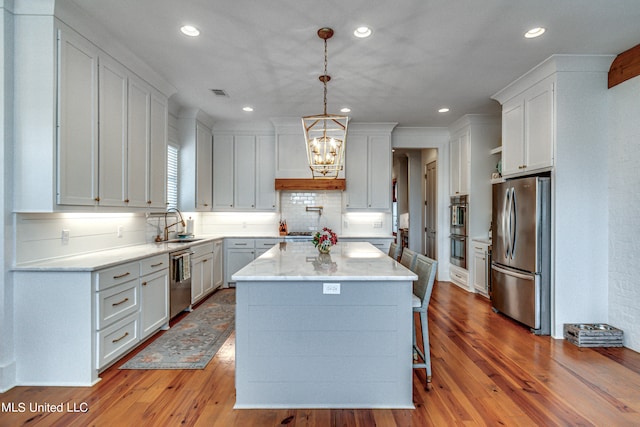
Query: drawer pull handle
{"x": 121, "y": 302}
{"x": 126, "y": 334}
{"x": 240, "y": 244}
{"x": 205, "y": 260}
{"x": 157, "y": 265}
{"x": 122, "y": 275}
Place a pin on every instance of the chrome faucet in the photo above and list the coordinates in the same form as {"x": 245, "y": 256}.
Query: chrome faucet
{"x": 167, "y": 227}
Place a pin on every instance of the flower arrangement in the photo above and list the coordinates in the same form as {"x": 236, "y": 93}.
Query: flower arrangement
{"x": 323, "y": 240}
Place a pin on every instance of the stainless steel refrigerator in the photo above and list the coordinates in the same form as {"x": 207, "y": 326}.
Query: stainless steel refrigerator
{"x": 521, "y": 251}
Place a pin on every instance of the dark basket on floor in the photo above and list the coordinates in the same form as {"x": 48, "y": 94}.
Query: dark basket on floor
{"x": 593, "y": 335}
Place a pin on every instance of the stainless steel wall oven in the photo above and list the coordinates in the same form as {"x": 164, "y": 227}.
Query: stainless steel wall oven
{"x": 458, "y": 230}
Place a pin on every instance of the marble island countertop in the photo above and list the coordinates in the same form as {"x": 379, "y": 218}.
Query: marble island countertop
{"x": 300, "y": 261}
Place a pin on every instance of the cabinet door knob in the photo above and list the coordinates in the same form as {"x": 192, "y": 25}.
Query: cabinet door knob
{"x": 144, "y": 283}
{"x": 97, "y": 199}
{"x": 126, "y": 200}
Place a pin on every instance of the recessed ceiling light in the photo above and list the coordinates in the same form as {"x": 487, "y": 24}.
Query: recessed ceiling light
{"x": 346, "y": 110}
{"x": 362, "y": 32}
{"x": 190, "y": 30}
{"x": 534, "y": 32}
{"x": 443, "y": 110}
{"x": 247, "y": 109}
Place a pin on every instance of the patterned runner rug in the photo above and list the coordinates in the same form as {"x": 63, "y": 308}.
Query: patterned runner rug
{"x": 194, "y": 340}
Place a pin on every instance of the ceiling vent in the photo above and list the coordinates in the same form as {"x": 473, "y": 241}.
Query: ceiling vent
{"x": 219, "y": 92}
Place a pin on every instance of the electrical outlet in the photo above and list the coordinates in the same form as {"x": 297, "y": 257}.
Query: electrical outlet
{"x": 331, "y": 288}
{"x": 346, "y": 224}
{"x": 377, "y": 224}
{"x": 120, "y": 230}
{"x": 65, "y": 237}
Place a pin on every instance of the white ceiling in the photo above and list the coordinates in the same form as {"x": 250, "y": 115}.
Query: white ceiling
{"x": 423, "y": 54}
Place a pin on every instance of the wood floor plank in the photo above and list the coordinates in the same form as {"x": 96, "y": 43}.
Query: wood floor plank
{"x": 487, "y": 370}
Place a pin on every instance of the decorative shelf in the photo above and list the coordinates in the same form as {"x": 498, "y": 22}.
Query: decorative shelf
{"x": 496, "y": 150}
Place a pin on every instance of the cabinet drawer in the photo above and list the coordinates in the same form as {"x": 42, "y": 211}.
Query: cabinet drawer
{"x": 116, "y": 303}
{"x": 201, "y": 250}
{"x": 459, "y": 276}
{"x": 117, "y": 339}
{"x": 241, "y": 243}
{"x": 266, "y": 243}
{"x": 153, "y": 264}
{"x": 116, "y": 275}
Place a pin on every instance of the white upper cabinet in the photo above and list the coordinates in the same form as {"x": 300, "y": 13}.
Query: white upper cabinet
{"x": 459, "y": 163}
{"x": 204, "y": 150}
{"x": 77, "y": 148}
{"x": 368, "y": 167}
{"x": 527, "y": 130}
{"x": 92, "y": 146}
{"x": 138, "y": 144}
{"x": 265, "y": 172}
{"x": 196, "y": 161}
{"x": 158, "y": 136}
{"x": 243, "y": 172}
{"x": 112, "y": 184}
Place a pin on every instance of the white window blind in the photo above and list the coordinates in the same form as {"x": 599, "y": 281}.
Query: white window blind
{"x": 172, "y": 176}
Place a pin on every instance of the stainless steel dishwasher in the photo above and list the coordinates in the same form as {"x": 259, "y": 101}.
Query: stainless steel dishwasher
{"x": 180, "y": 283}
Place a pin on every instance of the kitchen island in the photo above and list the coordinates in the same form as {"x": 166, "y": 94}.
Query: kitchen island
{"x": 324, "y": 331}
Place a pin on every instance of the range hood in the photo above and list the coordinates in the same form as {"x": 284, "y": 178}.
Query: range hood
{"x": 293, "y": 184}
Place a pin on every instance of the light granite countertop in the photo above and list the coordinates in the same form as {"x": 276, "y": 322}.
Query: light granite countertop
{"x": 107, "y": 258}
{"x": 110, "y": 257}
{"x": 300, "y": 261}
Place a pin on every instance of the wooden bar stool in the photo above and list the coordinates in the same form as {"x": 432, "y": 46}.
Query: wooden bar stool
{"x": 425, "y": 268}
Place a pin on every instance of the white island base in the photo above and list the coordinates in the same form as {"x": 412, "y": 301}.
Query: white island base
{"x": 313, "y": 333}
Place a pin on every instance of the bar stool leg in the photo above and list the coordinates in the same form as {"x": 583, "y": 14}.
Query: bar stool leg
{"x": 424, "y": 326}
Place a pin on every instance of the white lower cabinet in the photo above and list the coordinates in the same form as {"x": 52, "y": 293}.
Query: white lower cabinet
{"x": 154, "y": 294}
{"x": 202, "y": 271}
{"x": 115, "y": 340}
{"x": 460, "y": 277}
{"x": 240, "y": 252}
{"x": 218, "y": 267}
{"x": 480, "y": 267}
{"x": 86, "y": 320}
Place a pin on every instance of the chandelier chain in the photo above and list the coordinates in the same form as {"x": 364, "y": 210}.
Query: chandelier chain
{"x": 324, "y": 80}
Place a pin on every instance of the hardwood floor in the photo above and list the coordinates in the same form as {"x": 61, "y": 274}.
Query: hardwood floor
{"x": 487, "y": 370}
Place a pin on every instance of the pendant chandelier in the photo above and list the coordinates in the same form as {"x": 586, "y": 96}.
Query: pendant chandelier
{"x": 325, "y": 134}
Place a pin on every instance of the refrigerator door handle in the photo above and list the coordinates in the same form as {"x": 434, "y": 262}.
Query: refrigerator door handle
{"x": 513, "y": 223}
{"x": 513, "y": 273}
{"x": 505, "y": 210}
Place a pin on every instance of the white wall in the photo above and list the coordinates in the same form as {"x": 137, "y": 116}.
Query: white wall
{"x": 580, "y": 199}
{"x": 7, "y": 361}
{"x": 624, "y": 210}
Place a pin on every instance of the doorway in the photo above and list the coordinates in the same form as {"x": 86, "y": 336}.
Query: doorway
{"x": 430, "y": 209}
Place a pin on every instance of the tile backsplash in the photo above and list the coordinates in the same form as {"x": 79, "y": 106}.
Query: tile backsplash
{"x": 293, "y": 209}
{"x": 41, "y": 235}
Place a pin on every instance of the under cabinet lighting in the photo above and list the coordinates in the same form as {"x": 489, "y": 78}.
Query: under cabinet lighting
{"x": 247, "y": 109}
{"x": 443, "y": 110}
{"x": 345, "y": 110}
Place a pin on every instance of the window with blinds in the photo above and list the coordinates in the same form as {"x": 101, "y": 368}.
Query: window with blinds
{"x": 172, "y": 176}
